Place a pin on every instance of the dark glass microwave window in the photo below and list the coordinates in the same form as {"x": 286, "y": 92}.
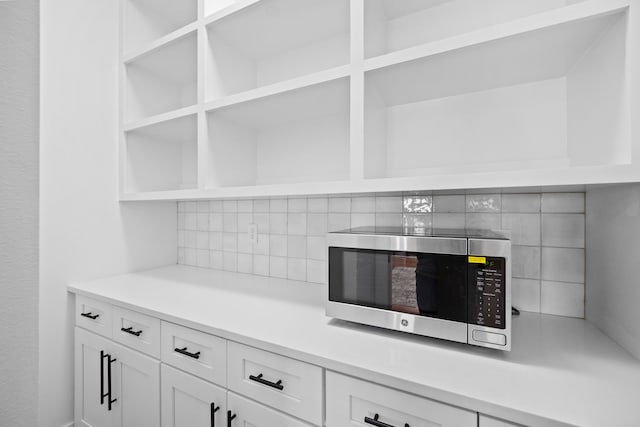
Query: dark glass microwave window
{"x": 431, "y": 285}
{"x": 487, "y": 293}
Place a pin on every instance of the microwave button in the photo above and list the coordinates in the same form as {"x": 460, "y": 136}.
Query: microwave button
{"x": 489, "y": 337}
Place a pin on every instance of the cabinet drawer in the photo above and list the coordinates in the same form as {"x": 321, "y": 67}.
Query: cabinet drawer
{"x": 94, "y": 315}
{"x": 136, "y": 330}
{"x": 201, "y": 354}
{"x": 247, "y": 413}
{"x": 188, "y": 401}
{"x": 350, "y": 401}
{"x": 286, "y": 384}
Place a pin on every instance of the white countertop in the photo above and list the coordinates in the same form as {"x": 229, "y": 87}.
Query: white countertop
{"x": 561, "y": 371}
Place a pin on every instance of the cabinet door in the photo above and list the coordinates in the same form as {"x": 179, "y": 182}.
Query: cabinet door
{"x": 135, "y": 383}
{"x": 354, "y": 402}
{"x": 90, "y": 410}
{"x": 190, "y": 402}
{"x": 247, "y": 413}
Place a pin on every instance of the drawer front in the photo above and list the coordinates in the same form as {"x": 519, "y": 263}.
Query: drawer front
{"x": 286, "y": 384}
{"x": 94, "y": 315}
{"x": 137, "y": 330}
{"x": 247, "y": 413}
{"x": 353, "y": 402}
{"x": 188, "y": 401}
{"x": 201, "y": 354}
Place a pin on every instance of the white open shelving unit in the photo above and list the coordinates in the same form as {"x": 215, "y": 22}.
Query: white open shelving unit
{"x": 251, "y": 98}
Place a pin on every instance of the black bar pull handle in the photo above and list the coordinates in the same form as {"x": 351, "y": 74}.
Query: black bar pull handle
{"x": 214, "y": 409}
{"x": 230, "y": 417}
{"x": 184, "y": 351}
{"x": 90, "y": 315}
{"x": 102, "y": 395}
{"x": 375, "y": 422}
{"x": 261, "y": 380}
{"x": 130, "y": 330}
{"x": 110, "y": 401}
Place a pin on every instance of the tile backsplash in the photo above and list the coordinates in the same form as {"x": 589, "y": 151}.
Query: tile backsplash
{"x": 547, "y": 234}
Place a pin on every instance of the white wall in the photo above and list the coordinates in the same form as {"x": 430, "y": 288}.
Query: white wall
{"x": 18, "y": 212}
{"x": 85, "y": 232}
{"x": 613, "y": 282}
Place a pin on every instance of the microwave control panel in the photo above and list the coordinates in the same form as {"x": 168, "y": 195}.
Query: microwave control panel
{"x": 487, "y": 292}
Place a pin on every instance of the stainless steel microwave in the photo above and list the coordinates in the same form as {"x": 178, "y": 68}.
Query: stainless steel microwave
{"x": 448, "y": 284}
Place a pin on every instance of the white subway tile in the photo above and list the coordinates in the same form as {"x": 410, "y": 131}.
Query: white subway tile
{"x": 483, "y": 221}
{"x": 363, "y": 220}
{"x": 181, "y": 256}
{"x": 297, "y": 246}
{"x": 562, "y": 299}
{"x": 278, "y": 205}
{"x": 563, "y": 230}
{"x": 215, "y": 222}
{"x": 261, "y": 247}
{"x": 244, "y": 219}
{"x": 230, "y": 242}
{"x": 202, "y": 206}
{"x": 418, "y": 221}
{"x": 261, "y": 265}
{"x": 244, "y": 244}
{"x": 190, "y": 221}
{"x": 190, "y": 239}
{"x": 215, "y": 260}
{"x": 190, "y": 256}
{"x": 563, "y": 265}
{"x": 181, "y": 221}
{"x": 363, "y": 204}
{"x": 316, "y": 271}
{"x": 181, "y": 207}
{"x": 563, "y": 202}
{"x": 415, "y": 204}
{"x": 448, "y": 220}
{"x": 525, "y": 294}
{"x": 317, "y": 224}
{"x": 245, "y": 263}
{"x": 261, "y": 220}
{"x": 318, "y": 204}
{"x": 202, "y": 258}
{"x": 339, "y": 221}
{"x": 449, "y": 203}
{"x": 261, "y": 205}
{"x": 521, "y": 203}
{"x": 525, "y": 262}
{"x": 389, "y": 204}
{"x": 215, "y": 206}
{"x": 297, "y": 205}
{"x": 340, "y": 204}
{"x": 202, "y": 221}
{"x": 388, "y": 219}
{"x": 296, "y": 269}
{"x": 215, "y": 240}
{"x": 278, "y": 245}
{"x": 230, "y": 261}
{"x": 278, "y": 223}
{"x": 245, "y": 206}
{"x": 230, "y": 206}
{"x": 230, "y": 222}
{"x": 525, "y": 228}
{"x": 317, "y": 248}
{"x": 190, "y": 207}
{"x": 202, "y": 239}
{"x": 278, "y": 267}
{"x": 483, "y": 203}
{"x": 297, "y": 223}
{"x": 181, "y": 238}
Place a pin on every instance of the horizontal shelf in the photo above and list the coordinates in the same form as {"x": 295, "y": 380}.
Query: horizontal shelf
{"x": 146, "y": 21}
{"x": 273, "y": 41}
{"x": 157, "y": 119}
{"x": 215, "y": 10}
{"x": 159, "y": 43}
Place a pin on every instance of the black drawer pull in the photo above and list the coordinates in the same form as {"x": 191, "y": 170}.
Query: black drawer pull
{"x": 214, "y": 409}
{"x": 261, "y": 380}
{"x": 184, "y": 351}
{"x": 130, "y": 330}
{"x": 230, "y": 417}
{"x": 90, "y": 315}
{"x": 374, "y": 421}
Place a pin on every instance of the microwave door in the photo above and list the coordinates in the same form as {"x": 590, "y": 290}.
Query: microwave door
{"x": 365, "y": 278}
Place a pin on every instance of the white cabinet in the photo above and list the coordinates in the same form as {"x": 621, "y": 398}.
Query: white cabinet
{"x": 115, "y": 386}
{"x": 354, "y": 402}
{"x": 486, "y": 421}
{"x": 188, "y": 401}
{"x": 248, "y": 413}
{"x": 275, "y": 97}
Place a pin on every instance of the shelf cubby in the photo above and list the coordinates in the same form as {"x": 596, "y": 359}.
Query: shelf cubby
{"x": 162, "y": 156}
{"x": 161, "y": 80}
{"x": 145, "y": 21}
{"x": 273, "y": 41}
{"x": 292, "y": 137}
{"x": 552, "y": 97}
{"x": 392, "y": 25}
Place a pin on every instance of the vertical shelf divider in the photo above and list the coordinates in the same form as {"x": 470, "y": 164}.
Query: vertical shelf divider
{"x": 202, "y": 150}
{"x": 356, "y": 133}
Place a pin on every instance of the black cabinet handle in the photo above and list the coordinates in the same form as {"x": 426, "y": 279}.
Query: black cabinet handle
{"x": 261, "y": 380}
{"x": 230, "y": 417}
{"x": 90, "y": 315}
{"x": 109, "y": 362}
{"x": 374, "y": 421}
{"x": 214, "y": 409}
{"x": 102, "y": 395}
{"x": 184, "y": 351}
{"x": 130, "y": 330}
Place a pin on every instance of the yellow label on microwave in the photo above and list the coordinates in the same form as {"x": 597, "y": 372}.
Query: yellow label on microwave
{"x": 477, "y": 260}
